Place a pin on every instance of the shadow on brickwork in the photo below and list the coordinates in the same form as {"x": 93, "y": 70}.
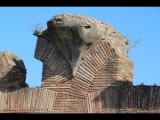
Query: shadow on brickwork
{"x": 13, "y": 77}
{"x": 126, "y": 96}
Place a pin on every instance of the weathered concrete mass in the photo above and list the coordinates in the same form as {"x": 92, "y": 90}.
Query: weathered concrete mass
{"x": 74, "y": 34}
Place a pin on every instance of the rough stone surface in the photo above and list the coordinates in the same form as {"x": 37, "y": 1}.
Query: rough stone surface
{"x": 74, "y": 34}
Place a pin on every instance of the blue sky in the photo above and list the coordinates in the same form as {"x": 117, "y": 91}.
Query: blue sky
{"x": 17, "y": 24}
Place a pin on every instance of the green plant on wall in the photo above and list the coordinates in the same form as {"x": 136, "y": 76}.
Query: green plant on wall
{"x": 37, "y": 28}
{"x": 36, "y": 32}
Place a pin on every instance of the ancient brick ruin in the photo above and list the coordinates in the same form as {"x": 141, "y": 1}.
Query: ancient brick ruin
{"x": 12, "y": 71}
{"x": 86, "y": 69}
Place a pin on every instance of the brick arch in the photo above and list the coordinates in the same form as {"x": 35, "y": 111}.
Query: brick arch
{"x": 99, "y": 67}
{"x": 90, "y": 66}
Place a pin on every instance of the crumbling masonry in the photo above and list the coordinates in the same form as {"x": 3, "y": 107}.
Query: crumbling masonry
{"x": 85, "y": 70}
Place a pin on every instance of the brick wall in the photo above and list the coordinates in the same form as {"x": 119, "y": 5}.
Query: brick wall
{"x": 100, "y": 63}
{"x": 115, "y": 71}
{"x": 12, "y": 71}
{"x": 125, "y": 99}
{"x": 26, "y": 100}
{"x": 122, "y": 99}
{"x": 110, "y": 91}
